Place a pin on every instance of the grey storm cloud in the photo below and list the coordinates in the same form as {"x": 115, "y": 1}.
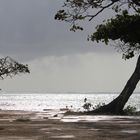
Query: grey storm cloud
{"x": 28, "y": 30}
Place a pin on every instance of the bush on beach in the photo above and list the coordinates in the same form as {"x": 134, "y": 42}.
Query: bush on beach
{"x": 88, "y": 106}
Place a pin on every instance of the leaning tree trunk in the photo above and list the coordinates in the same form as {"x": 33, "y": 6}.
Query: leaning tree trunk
{"x": 117, "y": 105}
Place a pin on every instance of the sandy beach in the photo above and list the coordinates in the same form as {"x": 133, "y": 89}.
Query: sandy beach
{"x": 24, "y": 125}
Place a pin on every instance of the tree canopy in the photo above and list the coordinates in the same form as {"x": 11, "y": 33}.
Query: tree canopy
{"x": 10, "y": 67}
{"x": 124, "y": 27}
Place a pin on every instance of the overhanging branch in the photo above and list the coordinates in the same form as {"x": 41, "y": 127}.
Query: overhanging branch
{"x": 103, "y": 8}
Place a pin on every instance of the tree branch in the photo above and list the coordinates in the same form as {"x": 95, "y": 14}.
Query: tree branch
{"x": 137, "y": 2}
{"x": 92, "y": 16}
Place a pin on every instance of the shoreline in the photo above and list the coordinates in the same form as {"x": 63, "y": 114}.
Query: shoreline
{"x": 31, "y": 125}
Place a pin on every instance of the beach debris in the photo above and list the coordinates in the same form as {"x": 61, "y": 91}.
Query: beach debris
{"x": 23, "y": 119}
{"x": 56, "y": 115}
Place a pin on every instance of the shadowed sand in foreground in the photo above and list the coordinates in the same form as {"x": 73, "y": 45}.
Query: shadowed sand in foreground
{"x": 22, "y": 125}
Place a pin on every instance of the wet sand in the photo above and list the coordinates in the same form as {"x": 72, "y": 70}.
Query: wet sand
{"x": 22, "y": 125}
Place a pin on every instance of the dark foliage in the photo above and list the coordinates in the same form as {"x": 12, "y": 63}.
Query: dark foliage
{"x": 124, "y": 27}
{"x": 9, "y": 67}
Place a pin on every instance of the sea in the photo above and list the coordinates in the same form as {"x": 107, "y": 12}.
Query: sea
{"x": 29, "y": 101}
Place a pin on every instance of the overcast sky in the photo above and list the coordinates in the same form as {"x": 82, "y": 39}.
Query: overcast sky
{"x": 59, "y": 60}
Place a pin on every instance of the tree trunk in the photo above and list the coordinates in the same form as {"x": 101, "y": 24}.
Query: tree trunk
{"x": 117, "y": 105}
